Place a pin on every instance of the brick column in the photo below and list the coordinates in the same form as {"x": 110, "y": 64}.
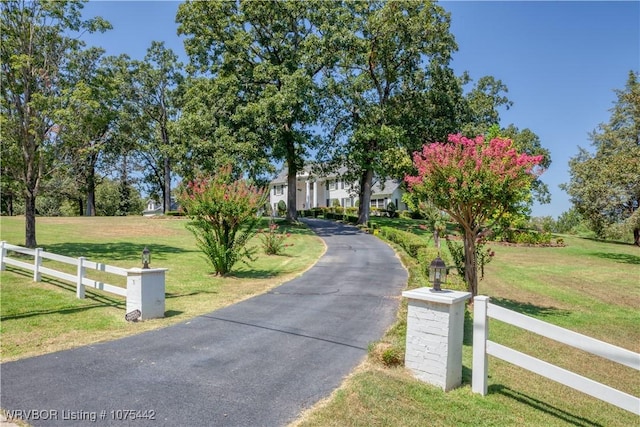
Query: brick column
{"x": 435, "y": 327}
{"x": 145, "y": 292}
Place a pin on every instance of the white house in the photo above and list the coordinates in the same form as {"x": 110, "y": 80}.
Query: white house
{"x": 315, "y": 191}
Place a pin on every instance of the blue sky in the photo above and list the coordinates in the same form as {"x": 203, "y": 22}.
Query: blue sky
{"x": 561, "y": 61}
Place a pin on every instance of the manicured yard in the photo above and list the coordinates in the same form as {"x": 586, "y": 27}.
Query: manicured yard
{"x": 588, "y": 286}
{"x": 43, "y": 317}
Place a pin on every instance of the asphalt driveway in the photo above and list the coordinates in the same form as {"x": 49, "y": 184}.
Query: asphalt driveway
{"x": 256, "y": 363}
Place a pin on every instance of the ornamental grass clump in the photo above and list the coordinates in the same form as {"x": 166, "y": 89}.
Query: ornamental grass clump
{"x": 273, "y": 242}
{"x": 224, "y": 215}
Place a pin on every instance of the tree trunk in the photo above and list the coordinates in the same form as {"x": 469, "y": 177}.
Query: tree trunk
{"x": 30, "y": 219}
{"x": 366, "y": 182}
{"x": 636, "y": 236}
{"x": 292, "y": 173}
{"x": 470, "y": 267}
{"x": 292, "y": 212}
{"x": 91, "y": 194}
{"x": 167, "y": 184}
{"x": 80, "y": 206}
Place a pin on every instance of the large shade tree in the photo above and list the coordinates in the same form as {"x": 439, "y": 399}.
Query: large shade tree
{"x": 154, "y": 87}
{"x": 382, "y": 88}
{"x": 87, "y": 114}
{"x": 266, "y": 56}
{"x": 476, "y": 182}
{"x": 605, "y": 184}
{"x": 36, "y": 41}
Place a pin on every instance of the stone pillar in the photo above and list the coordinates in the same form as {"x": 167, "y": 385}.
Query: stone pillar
{"x": 435, "y": 328}
{"x": 145, "y": 292}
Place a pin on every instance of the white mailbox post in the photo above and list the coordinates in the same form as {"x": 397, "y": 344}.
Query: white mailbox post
{"x": 435, "y": 328}
{"x": 145, "y": 292}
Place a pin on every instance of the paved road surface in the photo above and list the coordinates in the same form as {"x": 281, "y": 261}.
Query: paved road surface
{"x": 257, "y": 363}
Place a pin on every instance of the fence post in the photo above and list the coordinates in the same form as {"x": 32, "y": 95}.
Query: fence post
{"x": 480, "y": 334}
{"x": 37, "y": 262}
{"x": 3, "y": 254}
{"x": 80, "y": 278}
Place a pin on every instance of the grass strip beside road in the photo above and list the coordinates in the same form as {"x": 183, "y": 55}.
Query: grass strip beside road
{"x": 43, "y": 317}
{"x": 589, "y": 286}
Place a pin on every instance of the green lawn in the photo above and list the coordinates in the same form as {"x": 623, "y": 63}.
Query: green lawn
{"x": 588, "y": 286}
{"x": 42, "y": 317}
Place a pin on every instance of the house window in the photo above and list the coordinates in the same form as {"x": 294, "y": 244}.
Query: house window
{"x": 347, "y": 202}
{"x": 377, "y": 203}
{"x": 332, "y": 185}
{"x": 278, "y": 190}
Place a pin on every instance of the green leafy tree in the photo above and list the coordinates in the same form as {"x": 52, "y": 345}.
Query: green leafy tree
{"x": 605, "y": 185}
{"x": 475, "y": 182}
{"x": 379, "y": 90}
{"x": 87, "y": 113}
{"x": 116, "y": 198}
{"x": 224, "y": 215}
{"x": 36, "y": 42}
{"x": 265, "y": 58}
{"x": 482, "y": 103}
{"x": 153, "y": 93}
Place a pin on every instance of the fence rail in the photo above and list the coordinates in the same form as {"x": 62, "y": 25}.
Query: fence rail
{"x": 81, "y": 264}
{"x": 483, "y": 347}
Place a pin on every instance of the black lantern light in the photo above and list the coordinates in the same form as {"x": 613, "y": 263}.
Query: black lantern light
{"x": 437, "y": 273}
{"x": 146, "y": 257}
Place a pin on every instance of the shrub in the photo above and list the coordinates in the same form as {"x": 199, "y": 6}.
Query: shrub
{"x": 273, "y": 243}
{"x": 282, "y": 208}
{"x": 223, "y": 215}
{"x": 483, "y": 256}
{"x": 410, "y": 242}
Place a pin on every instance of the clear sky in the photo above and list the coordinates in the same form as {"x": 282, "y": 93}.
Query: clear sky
{"x": 561, "y": 61}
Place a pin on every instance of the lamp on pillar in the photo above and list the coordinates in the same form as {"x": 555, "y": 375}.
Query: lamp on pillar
{"x": 146, "y": 257}
{"x": 437, "y": 273}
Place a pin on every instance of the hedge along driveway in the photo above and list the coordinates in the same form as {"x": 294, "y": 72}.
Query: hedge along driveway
{"x": 258, "y": 362}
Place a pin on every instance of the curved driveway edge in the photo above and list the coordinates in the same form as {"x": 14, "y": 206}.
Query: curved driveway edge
{"x": 260, "y": 362}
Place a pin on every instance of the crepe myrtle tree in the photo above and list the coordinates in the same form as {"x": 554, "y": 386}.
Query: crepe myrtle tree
{"x": 224, "y": 214}
{"x": 475, "y": 182}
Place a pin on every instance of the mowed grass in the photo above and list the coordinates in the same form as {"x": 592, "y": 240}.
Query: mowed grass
{"x": 590, "y": 287}
{"x": 43, "y": 317}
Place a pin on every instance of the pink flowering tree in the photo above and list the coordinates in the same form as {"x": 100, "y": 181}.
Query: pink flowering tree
{"x": 224, "y": 215}
{"x": 476, "y": 182}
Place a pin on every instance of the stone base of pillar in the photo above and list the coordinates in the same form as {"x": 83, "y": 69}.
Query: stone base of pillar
{"x": 145, "y": 292}
{"x": 435, "y": 328}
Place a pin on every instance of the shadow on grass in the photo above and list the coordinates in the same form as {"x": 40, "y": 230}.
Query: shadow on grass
{"x": 180, "y": 295}
{"x": 100, "y": 301}
{"x": 613, "y": 242}
{"x": 114, "y": 251}
{"x": 528, "y": 308}
{"x": 622, "y": 258}
{"x": 541, "y": 406}
{"x": 255, "y": 274}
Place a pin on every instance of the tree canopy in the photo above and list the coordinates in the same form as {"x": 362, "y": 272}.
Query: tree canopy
{"x": 264, "y": 58}
{"x": 605, "y": 184}
{"x": 475, "y": 182}
{"x": 35, "y": 48}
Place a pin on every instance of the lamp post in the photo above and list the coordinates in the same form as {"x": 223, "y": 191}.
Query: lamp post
{"x": 437, "y": 273}
{"x": 146, "y": 257}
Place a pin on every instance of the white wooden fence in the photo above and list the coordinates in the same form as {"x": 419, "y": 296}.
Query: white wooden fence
{"x": 79, "y": 279}
{"x": 483, "y": 347}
